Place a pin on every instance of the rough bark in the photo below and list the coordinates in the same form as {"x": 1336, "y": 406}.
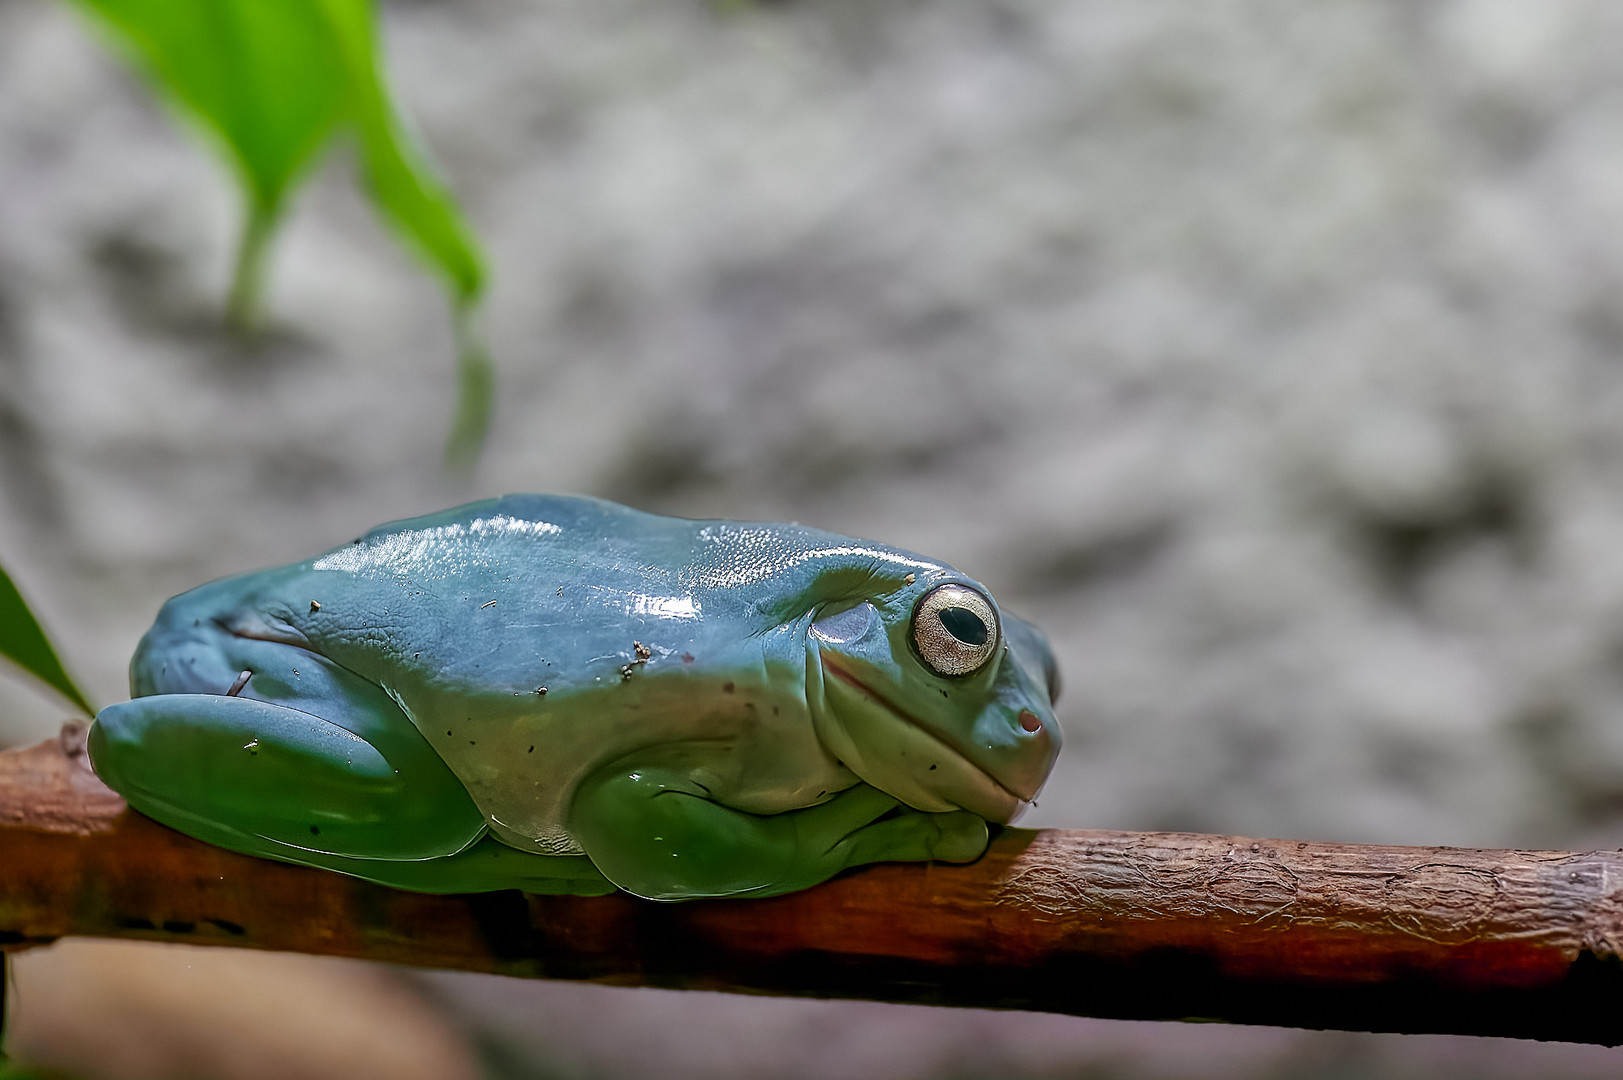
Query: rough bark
{"x": 1137, "y": 925}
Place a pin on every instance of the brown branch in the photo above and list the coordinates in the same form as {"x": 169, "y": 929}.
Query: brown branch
{"x": 1138, "y": 925}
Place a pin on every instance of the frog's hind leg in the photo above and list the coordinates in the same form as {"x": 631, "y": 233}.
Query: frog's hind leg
{"x": 268, "y": 779}
{"x": 272, "y": 750}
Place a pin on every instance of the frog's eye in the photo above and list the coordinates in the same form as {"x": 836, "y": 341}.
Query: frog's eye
{"x": 955, "y": 630}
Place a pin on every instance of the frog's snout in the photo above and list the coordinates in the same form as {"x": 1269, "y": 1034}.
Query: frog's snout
{"x": 1024, "y": 768}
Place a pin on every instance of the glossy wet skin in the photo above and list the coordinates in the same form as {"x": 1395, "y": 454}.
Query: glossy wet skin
{"x": 558, "y": 694}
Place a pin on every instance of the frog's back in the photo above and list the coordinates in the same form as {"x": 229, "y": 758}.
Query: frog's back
{"x": 475, "y": 594}
{"x": 500, "y": 598}
{"x": 539, "y": 532}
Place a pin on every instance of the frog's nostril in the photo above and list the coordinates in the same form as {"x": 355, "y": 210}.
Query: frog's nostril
{"x": 1030, "y": 721}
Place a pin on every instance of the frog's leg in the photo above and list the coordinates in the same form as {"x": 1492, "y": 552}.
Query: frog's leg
{"x": 657, "y": 834}
{"x": 270, "y": 780}
{"x": 270, "y": 749}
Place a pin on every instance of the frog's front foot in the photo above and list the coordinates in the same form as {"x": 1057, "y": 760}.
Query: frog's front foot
{"x": 868, "y": 826}
{"x": 659, "y": 836}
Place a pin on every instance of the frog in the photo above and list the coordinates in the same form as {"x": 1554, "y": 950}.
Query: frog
{"x": 563, "y": 695}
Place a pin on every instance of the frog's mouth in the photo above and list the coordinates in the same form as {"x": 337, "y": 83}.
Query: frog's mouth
{"x": 952, "y": 779}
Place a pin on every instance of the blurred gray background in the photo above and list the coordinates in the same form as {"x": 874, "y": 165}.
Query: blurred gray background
{"x": 1269, "y": 355}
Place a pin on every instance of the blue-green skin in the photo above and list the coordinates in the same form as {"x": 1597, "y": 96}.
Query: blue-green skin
{"x": 696, "y": 737}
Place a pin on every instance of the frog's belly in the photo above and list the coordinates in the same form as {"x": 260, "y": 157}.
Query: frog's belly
{"x": 753, "y": 749}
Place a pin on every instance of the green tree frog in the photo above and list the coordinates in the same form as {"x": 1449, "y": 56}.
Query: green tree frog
{"x": 563, "y": 695}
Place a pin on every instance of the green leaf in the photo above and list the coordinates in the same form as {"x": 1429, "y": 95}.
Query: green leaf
{"x": 402, "y": 183}
{"x": 476, "y": 392}
{"x": 25, "y": 644}
{"x": 404, "y": 187}
{"x": 272, "y": 81}
{"x": 264, "y": 77}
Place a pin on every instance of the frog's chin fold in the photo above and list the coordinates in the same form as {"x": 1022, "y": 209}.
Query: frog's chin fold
{"x": 898, "y": 754}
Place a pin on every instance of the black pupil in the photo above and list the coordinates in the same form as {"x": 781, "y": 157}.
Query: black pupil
{"x": 964, "y": 625}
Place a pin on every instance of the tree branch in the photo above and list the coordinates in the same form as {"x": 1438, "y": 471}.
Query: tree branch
{"x": 1094, "y": 923}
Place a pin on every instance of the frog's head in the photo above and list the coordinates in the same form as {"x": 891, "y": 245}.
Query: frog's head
{"x": 930, "y": 693}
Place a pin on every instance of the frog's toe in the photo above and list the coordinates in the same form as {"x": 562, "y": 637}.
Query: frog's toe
{"x": 914, "y": 836}
{"x": 963, "y": 837}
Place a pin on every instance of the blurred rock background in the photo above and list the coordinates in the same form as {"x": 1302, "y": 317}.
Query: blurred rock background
{"x": 1270, "y": 356}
